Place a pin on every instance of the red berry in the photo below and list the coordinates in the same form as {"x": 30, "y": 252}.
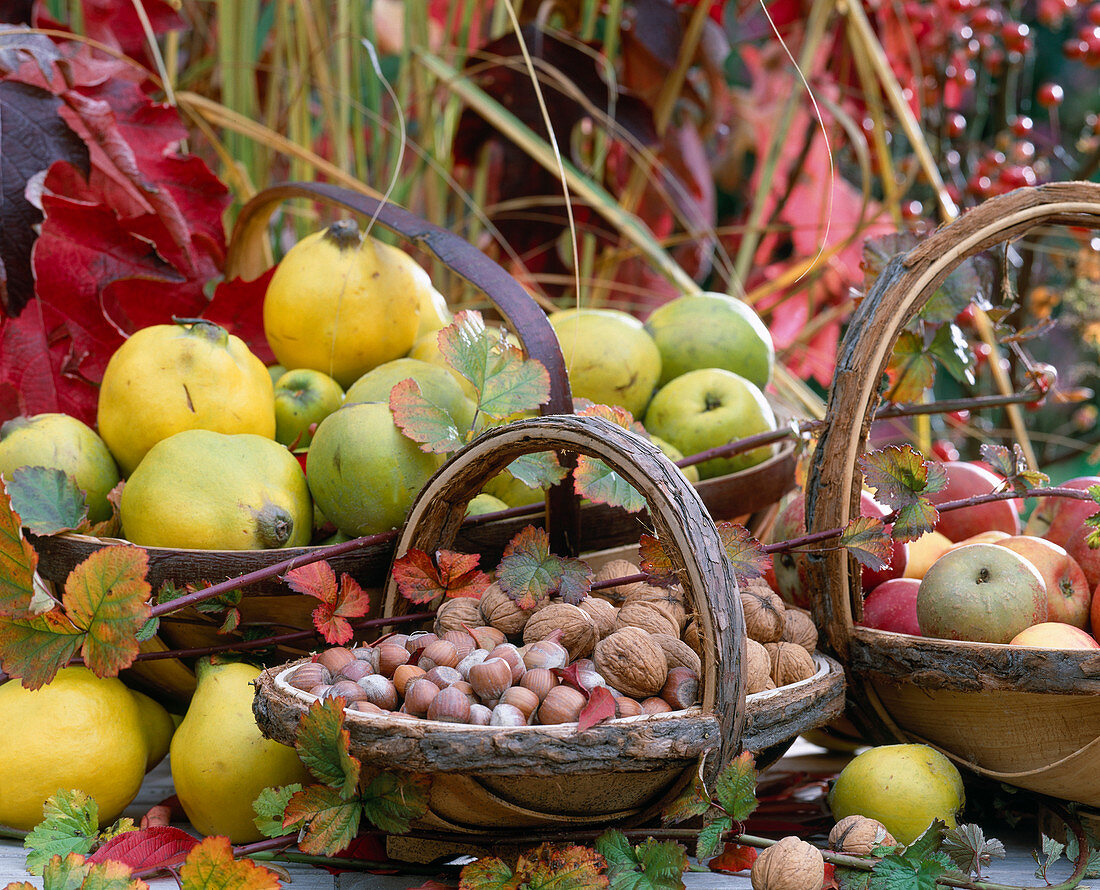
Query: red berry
{"x": 1017, "y": 37}
{"x": 1017, "y": 176}
{"x": 944, "y": 449}
{"x": 912, "y": 210}
{"x": 1050, "y": 95}
{"x": 1074, "y": 49}
{"x": 1022, "y": 125}
{"x": 956, "y": 125}
{"x": 1093, "y": 13}
{"x": 960, "y": 417}
{"x": 985, "y": 18}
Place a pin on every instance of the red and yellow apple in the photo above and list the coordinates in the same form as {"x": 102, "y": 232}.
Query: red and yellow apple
{"x": 1068, "y": 593}
{"x": 1062, "y": 520}
{"x": 892, "y": 606}
{"x": 1054, "y": 635}
{"x": 966, "y": 479}
{"x": 924, "y": 551}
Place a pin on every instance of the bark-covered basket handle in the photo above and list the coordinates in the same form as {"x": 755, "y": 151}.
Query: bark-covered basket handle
{"x": 519, "y": 310}
{"x": 679, "y": 518}
{"x": 903, "y": 287}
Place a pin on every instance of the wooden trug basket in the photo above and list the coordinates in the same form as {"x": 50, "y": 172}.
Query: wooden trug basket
{"x": 271, "y": 602}
{"x": 1025, "y": 716}
{"x": 495, "y": 778}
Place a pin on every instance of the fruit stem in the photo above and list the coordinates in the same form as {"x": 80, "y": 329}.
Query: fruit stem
{"x": 204, "y": 328}
{"x": 344, "y": 234}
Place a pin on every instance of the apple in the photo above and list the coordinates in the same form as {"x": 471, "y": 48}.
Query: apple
{"x": 1054, "y": 635}
{"x": 711, "y": 330}
{"x": 610, "y": 357}
{"x": 1057, "y": 518}
{"x": 924, "y": 551}
{"x": 437, "y": 385}
{"x": 709, "y": 407}
{"x": 691, "y": 473}
{"x": 980, "y": 592}
{"x": 966, "y": 479}
{"x": 899, "y": 550}
{"x": 303, "y": 398}
{"x": 1068, "y": 592}
{"x": 1094, "y": 611}
{"x": 992, "y": 536}
{"x": 363, "y": 472}
{"x": 892, "y": 606}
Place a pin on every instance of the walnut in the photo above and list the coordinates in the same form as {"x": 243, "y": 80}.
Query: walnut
{"x": 763, "y": 614}
{"x": 498, "y": 611}
{"x": 790, "y": 864}
{"x": 602, "y": 612}
{"x": 859, "y": 835}
{"x": 669, "y": 600}
{"x": 758, "y": 667}
{"x": 799, "y": 628}
{"x": 648, "y": 616}
{"x": 453, "y": 614}
{"x": 694, "y": 637}
{"x": 579, "y": 632}
{"x": 678, "y": 653}
{"x": 616, "y": 568}
{"x": 790, "y": 663}
{"x": 632, "y": 662}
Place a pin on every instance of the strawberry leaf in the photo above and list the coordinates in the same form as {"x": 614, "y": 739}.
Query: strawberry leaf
{"x": 392, "y": 801}
{"x": 211, "y": 866}
{"x": 951, "y": 348}
{"x": 106, "y": 596}
{"x": 650, "y": 865}
{"x": 902, "y": 478}
{"x": 655, "y": 560}
{"x": 600, "y": 707}
{"x": 417, "y": 577}
{"x": 270, "y": 806}
{"x": 18, "y": 561}
{"x": 693, "y": 801}
{"x": 911, "y": 370}
{"x": 162, "y": 846}
{"x": 968, "y": 848}
{"x": 488, "y": 873}
{"x": 712, "y": 837}
{"x": 329, "y": 819}
{"x": 466, "y": 346}
{"x": 744, "y": 551}
{"x": 47, "y": 499}
{"x": 338, "y": 603}
{"x": 422, "y": 420}
{"x": 529, "y": 573}
{"x": 537, "y": 470}
{"x": 735, "y": 787}
{"x": 595, "y": 480}
{"x": 323, "y": 746}
{"x": 459, "y": 574}
{"x": 1013, "y": 466}
{"x": 70, "y": 824}
{"x": 36, "y": 648}
{"x": 65, "y": 873}
{"x": 868, "y": 541}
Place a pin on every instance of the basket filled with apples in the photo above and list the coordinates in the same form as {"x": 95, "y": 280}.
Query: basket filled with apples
{"x": 542, "y": 703}
{"x": 983, "y": 651}
{"x": 333, "y": 411}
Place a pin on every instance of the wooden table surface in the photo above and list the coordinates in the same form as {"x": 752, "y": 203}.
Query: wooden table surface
{"x": 1018, "y": 868}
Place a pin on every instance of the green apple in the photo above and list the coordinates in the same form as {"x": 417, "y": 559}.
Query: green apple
{"x": 303, "y": 397}
{"x": 363, "y": 471}
{"x": 507, "y": 488}
{"x": 711, "y": 330}
{"x": 276, "y": 371}
{"x": 61, "y": 442}
{"x": 437, "y": 384}
{"x": 484, "y": 503}
{"x": 610, "y": 357}
{"x": 709, "y": 407}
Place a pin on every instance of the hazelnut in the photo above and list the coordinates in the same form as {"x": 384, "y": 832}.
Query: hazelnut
{"x": 693, "y": 637}
{"x": 539, "y": 680}
{"x": 678, "y": 653}
{"x": 790, "y": 864}
{"x": 438, "y": 653}
{"x": 308, "y": 675}
{"x": 450, "y": 705}
{"x": 627, "y": 707}
{"x": 379, "y": 691}
{"x": 602, "y": 612}
{"x": 348, "y": 690}
{"x": 799, "y": 627}
{"x": 334, "y": 658}
{"x": 632, "y": 662}
{"x": 563, "y": 704}
{"x": 462, "y": 641}
{"x": 404, "y": 674}
{"x": 419, "y": 694}
{"x": 649, "y": 616}
{"x": 443, "y": 676}
{"x": 456, "y": 613}
{"x": 681, "y": 689}
{"x": 545, "y": 654}
{"x": 859, "y": 835}
{"x": 499, "y": 611}
{"x": 490, "y": 678}
{"x": 507, "y": 715}
{"x": 487, "y": 637}
{"x": 579, "y": 632}
{"x": 758, "y": 667}
{"x": 480, "y": 715}
{"x": 475, "y": 657}
{"x": 522, "y": 698}
{"x": 354, "y": 670}
{"x": 763, "y": 614}
{"x": 790, "y": 663}
{"x": 390, "y": 657}
{"x": 511, "y": 655}
{"x": 419, "y": 640}
{"x": 655, "y": 705}
{"x": 365, "y": 707}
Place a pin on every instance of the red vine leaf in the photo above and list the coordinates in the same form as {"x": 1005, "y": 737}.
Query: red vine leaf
{"x": 655, "y": 560}
{"x": 743, "y": 550}
{"x": 159, "y": 847}
{"x": 600, "y": 707}
{"x": 868, "y": 541}
{"x": 452, "y": 574}
{"x": 734, "y": 858}
{"x": 338, "y": 602}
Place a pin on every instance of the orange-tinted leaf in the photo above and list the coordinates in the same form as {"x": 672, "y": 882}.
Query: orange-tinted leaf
{"x": 744, "y": 551}
{"x": 489, "y": 873}
{"x": 330, "y": 821}
{"x": 417, "y": 577}
{"x": 902, "y": 479}
{"x": 65, "y": 873}
{"x": 655, "y": 560}
{"x": 614, "y": 413}
{"x": 562, "y": 867}
{"x": 35, "y": 649}
{"x": 911, "y": 369}
{"x": 147, "y": 848}
{"x": 868, "y": 541}
{"x": 595, "y": 480}
{"x": 106, "y": 596}
{"x": 693, "y": 801}
{"x": 1013, "y": 466}
{"x": 734, "y": 858}
{"x": 20, "y": 885}
{"x": 112, "y": 876}
{"x": 422, "y": 420}
{"x": 459, "y": 574}
{"x": 211, "y": 866}
{"x": 529, "y": 573}
{"x": 830, "y": 882}
{"x": 735, "y": 787}
{"x": 600, "y": 707}
{"x": 18, "y": 560}
{"x": 323, "y": 746}
{"x": 348, "y": 600}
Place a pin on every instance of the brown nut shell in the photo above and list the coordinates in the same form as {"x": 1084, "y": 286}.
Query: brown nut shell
{"x": 390, "y": 657}
{"x": 563, "y": 704}
{"x": 616, "y": 568}
{"x": 539, "y": 680}
{"x": 545, "y": 654}
{"x": 668, "y": 600}
{"x": 681, "y": 689}
{"x": 601, "y": 611}
{"x": 790, "y": 663}
{"x": 678, "y": 653}
{"x": 457, "y": 613}
{"x": 438, "y": 653}
{"x": 419, "y": 693}
{"x": 627, "y": 707}
{"x": 490, "y": 678}
{"x": 799, "y": 627}
{"x": 579, "y": 632}
{"x": 859, "y": 835}
{"x": 763, "y": 614}
{"x": 308, "y": 675}
{"x": 693, "y": 637}
{"x": 404, "y": 674}
{"x": 632, "y": 662}
{"x": 450, "y": 705}
{"x": 487, "y": 637}
{"x": 758, "y": 668}
{"x": 521, "y": 697}
{"x": 334, "y": 658}
{"x": 649, "y": 616}
{"x": 790, "y": 864}
{"x": 499, "y": 611}
{"x": 379, "y": 691}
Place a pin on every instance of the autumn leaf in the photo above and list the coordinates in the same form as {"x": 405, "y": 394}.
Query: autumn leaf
{"x": 548, "y": 866}
{"x": 488, "y": 873}
{"x": 902, "y": 479}
{"x": 743, "y": 550}
{"x": 323, "y": 745}
{"x": 393, "y": 801}
{"x": 595, "y": 480}
{"x": 422, "y": 420}
{"x": 868, "y": 541}
{"x": 539, "y": 469}
{"x": 47, "y": 499}
{"x": 693, "y": 801}
{"x": 18, "y": 561}
{"x": 1013, "y": 466}
{"x": 36, "y": 648}
{"x": 330, "y": 820}
{"x": 529, "y": 573}
{"x": 911, "y": 370}
{"x": 211, "y": 866}
{"x": 735, "y": 858}
{"x": 600, "y": 707}
{"x": 338, "y": 603}
{"x": 106, "y": 596}
{"x": 70, "y": 824}
{"x": 160, "y": 847}
{"x": 421, "y": 580}
{"x": 65, "y": 872}
{"x": 655, "y": 561}
{"x": 270, "y": 805}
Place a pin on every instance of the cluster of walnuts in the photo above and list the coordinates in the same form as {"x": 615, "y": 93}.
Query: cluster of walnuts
{"x": 781, "y": 639}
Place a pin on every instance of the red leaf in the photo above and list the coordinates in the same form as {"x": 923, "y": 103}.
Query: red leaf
{"x": 238, "y": 307}
{"x": 117, "y": 25}
{"x": 734, "y": 858}
{"x": 416, "y": 576}
{"x": 349, "y": 600}
{"x": 830, "y": 881}
{"x": 600, "y": 707}
{"x": 147, "y": 848}
{"x": 421, "y": 580}
{"x": 211, "y": 865}
{"x": 655, "y": 559}
{"x": 460, "y": 575}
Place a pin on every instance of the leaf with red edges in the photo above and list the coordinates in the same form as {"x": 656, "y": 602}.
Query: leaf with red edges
{"x": 338, "y": 603}
{"x": 734, "y": 858}
{"x": 211, "y": 866}
{"x": 161, "y": 847}
{"x": 868, "y": 541}
{"x": 422, "y": 420}
{"x": 529, "y": 573}
{"x": 330, "y": 820}
{"x": 420, "y": 579}
{"x": 35, "y": 649}
{"x": 655, "y": 561}
{"x": 416, "y": 576}
{"x": 106, "y": 596}
{"x": 459, "y": 574}
{"x": 743, "y": 550}
{"x": 18, "y": 561}
{"x": 111, "y": 876}
{"x": 600, "y": 707}
{"x": 323, "y": 745}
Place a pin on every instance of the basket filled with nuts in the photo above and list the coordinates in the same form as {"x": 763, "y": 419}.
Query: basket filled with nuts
{"x": 570, "y": 710}
{"x": 1020, "y": 713}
